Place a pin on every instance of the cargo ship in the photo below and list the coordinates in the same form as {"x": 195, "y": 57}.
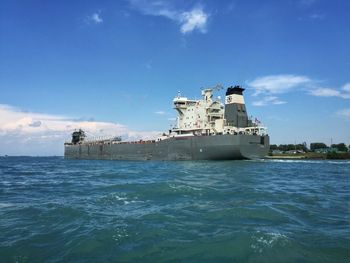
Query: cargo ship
{"x": 206, "y": 129}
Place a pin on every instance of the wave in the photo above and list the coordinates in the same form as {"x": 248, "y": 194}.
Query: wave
{"x": 5, "y": 205}
{"x": 341, "y": 162}
{"x": 117, "y": 198}
{"x": 262, "y": 241}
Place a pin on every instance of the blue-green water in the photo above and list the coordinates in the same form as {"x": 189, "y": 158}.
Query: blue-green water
{"x": 56, "y": 210}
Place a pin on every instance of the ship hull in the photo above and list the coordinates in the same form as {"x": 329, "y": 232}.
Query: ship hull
{"x": 217, "y": 147}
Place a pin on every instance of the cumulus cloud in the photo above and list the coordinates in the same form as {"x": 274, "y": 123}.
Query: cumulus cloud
{"x": 35, "y": 124}
{"x": 277, "y": 84}
{"x": 344, "y": 113}
{"x": 346, "y": 87}
{"x": 317, "y": 16}
{"x": 160, "y": 112}
{"x": 96, "y": 18}
{"x": 331, "y": 92}
{"x": 272, "y": 85}
{"x": 189, "y": 21}
{"x": 195, "y": 19}
{"x": 32, "y": 133}
{"x": 268, "y": 101}
{"x": 306, "y": 3}
{"x": 325, "y": 92}
{"x": 149, "y": 65}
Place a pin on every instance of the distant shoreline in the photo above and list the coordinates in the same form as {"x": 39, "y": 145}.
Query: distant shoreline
{"x": 287, "y": 156}
{"x": 312, "y": 156}
{"x": 32, "y": 156}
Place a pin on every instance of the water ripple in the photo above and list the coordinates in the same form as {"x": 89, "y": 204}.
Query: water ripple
{"x": 56, "y": 210}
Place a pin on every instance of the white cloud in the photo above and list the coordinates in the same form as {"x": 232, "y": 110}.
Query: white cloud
{"x": 277, "y": 84}
{"x": 329, "y": 92}
{"x": 160, "y": 112}
{"x": 346, "y": 87}
{"x": 149, "y": 65}
{"x": 33, "y": 133}
{"x": 306, "y": 3}
{"x": 280, "y": 84}
{"x": 325, "y": 92}
{"x": 317, "y": 16}
{"x": 96, "y": 18}
{"x": 189, "y": 21}
{"x": 195, "y": 19}
{"x": 344, "y": 113}
{"x": 268, "y": 100}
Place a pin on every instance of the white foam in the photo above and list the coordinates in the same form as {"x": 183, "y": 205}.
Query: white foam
{"x": 120, "y": 233}
{"x": 340, "y": 162}
{"x": 124, "y": 199}
{"x": 119, "y": 198}
{"x": 262, "y": 241}
{"x": 183, "y": 187}
{"x": 4, "y": 205}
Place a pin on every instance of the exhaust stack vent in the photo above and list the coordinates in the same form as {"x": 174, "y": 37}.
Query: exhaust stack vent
{"x": 235, "y": 111}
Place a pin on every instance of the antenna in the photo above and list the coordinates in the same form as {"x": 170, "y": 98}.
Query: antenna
{"x": 216, "y": 87}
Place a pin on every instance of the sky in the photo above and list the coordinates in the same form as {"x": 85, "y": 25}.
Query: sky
{"x": 113, "y": 67}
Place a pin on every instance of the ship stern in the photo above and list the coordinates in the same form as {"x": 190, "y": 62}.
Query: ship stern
{"x": 255, "y": 146}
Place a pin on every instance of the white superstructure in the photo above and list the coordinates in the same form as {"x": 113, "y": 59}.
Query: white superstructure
{"x": 207, "y": 115}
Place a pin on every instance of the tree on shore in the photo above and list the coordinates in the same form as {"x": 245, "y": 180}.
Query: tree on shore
{"x": 289, "y": 147}
{"x": 273, "y": 147}
{"x": 340, "y": 147}
{"x": 317, "y": 145}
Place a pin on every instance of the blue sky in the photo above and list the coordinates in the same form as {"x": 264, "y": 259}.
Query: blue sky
{"x": 115, "y": 66}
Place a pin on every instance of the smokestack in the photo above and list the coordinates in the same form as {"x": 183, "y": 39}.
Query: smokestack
{"x": 235, "y": 111}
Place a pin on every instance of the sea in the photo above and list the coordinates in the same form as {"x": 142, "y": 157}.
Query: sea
{"x": 57, "y": 210}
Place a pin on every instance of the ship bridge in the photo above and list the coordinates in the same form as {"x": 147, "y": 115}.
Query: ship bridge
{"x": 209, "y": 116}
{"x": 198, "y": 115}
